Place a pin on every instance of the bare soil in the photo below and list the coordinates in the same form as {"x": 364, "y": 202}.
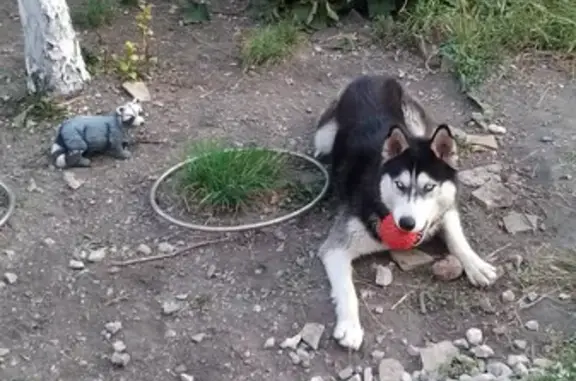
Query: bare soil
{"x": 264, "y": 283}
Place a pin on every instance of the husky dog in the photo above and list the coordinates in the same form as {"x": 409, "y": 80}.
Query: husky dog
{"x": 90, "y": 134}
{"x": 388, "y": 157}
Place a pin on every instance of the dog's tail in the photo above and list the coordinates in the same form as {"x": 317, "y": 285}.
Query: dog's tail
{"x": 58, "y": 155}
{"x": 326, "y": 130}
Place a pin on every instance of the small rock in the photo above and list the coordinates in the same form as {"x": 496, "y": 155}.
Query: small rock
{"x": 346, "y": 373}
{"x": 435, "y": 355}
{"x": 119, "y": 346}
{"x": 496, "y": 129}
{"x": 479, "y": 176}
{"x": 532, "y": 296}
{"x": 120, "y": 359}
{"x": 563, "y": 296}
{"x": 75, "y": 264}
{"x": 294, "y": 358}
{"x": 97, "y": 255}
{"x": 513, "y": 360}
{"x": 291, "y": 342}
{"x": 532, "y": 325}
{"x": 316, "y": 378}
{"x": 198, "y": 338}
{"x": 448, "y": 269}
{"x": 137, "y": 90}
{"x": 379, "y": 310}
{"x": 171, "y": 306}
{"x": 483, "y": 377}
{"x": 542, "y": 363}
{"x": 474, "y": 336}
{"x": 4, "y": 352}
{"x": 211, "y": 271}
{"x": 383, "y": 276}
{"x": 368, "y": 375}
{"x": 390, "y": 370}
{"x": 465, "y": 377}
{"x": 461, "y": 343}
{"x": 520, "y": 222}
{"x": 520, "y": 344}
{"x": 494, "y": 195}
{"x": 485, "y": 141}
{"x": 144, "y": 249}
{"x": 269, "y": 343}
{"x": 410, "y": 260}
{"x": 499, "y": 369}
{"x": 186, "y": 377}
{"x": 165, "y": 247}
{"x": 170, "y": 333}
{"x": 71, "y": 180}
{"x": 311, "y": 334}
{"x": 113, "y": 327}
{"x": 508, "y": 296}
{"x": 546, "y": 139}
{"x": 10, "y": 278}
{"x": 304, "y": 356}
{"x": 406, "y": 377}
{"x": 520, "y": 369}
{"x": 482, "y": 351}
{"x": 377, "y": 354}
{"x": 413, "y": 350}
{"x": 355, "y": 377}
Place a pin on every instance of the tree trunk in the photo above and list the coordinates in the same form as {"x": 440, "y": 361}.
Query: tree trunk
{"x": 54, "y": 60}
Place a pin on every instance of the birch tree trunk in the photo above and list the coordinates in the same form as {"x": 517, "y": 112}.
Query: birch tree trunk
{"x": 54, "y": 60}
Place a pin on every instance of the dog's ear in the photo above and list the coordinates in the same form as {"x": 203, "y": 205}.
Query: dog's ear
{"x": 395, "y": 143}
{"x": 444, "y": 145}
{"x": 120, "y": 110}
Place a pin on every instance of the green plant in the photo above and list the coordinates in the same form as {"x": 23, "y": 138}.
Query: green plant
{"x": 269, "y": 44}
{"x": 476, "y": 35}
{"x": 230, "y": 179}
{"x": 136, "y": 59}
{"x": 95, "y": 13}
{"x": 565, "y": 368}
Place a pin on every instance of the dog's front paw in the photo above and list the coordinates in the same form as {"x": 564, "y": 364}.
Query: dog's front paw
{"x": 349, "y": 334}
{"x": 481, "y": 273}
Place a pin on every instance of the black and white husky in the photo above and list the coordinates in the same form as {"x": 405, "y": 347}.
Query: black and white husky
{"x": 388, "y": 157}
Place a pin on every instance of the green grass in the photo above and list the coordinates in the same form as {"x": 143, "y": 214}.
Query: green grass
{"x": 229, "y": 180}
{"x": 95, "y": 13}
{"x": 270, "y": 44}
{"x": 477, "y": 35}
{"x": 565, "y": 370}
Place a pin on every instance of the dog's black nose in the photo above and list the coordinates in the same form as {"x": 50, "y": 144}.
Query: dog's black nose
{"x": 407, "y": 223}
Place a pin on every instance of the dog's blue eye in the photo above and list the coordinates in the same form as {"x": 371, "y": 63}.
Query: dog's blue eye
{"x": 429, "y": 187}
{"x": 400, "y": 186}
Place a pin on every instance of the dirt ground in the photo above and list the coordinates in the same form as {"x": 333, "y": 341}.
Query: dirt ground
{"x": 265, "y": 283}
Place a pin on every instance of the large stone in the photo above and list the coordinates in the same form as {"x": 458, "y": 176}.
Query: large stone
{"x": 516, "y": 222}
{"x": 137, "y": 90}
{"x": 485, "y": 141}
{"x": 474, "y": 336}
{"x": 448, "y": 269}
{"x": 383, "y": 276}
{"x": 438, "y": 354}
{"x": 494, "y": 195}
{"x": 410, "y": 260}
{"x": 390, "y": 370}
{"x": 479, "y": 176}
{"x": 311, "y": 334}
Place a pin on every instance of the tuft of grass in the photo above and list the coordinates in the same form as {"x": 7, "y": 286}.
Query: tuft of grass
{"x": 553, "y": 268}
{"x": 230, "y": 179}
{"x": 270, "y": 44}
{"x": 95, "y": 13}
{"x": 565, "y": 369}
{"x": 476, "y": 35}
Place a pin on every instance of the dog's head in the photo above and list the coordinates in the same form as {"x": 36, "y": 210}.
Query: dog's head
{"x": 418, "y": 181}
{"x": 131, "y": 113}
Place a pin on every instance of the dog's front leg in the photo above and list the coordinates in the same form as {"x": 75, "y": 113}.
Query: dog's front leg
{"x": 338, "y": 266}
{"x": 479, "y": 272}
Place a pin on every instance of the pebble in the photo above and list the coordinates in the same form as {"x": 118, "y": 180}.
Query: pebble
{"x": 482, "y": 351}
{"x": 520, "y": 369}
{"x": 10, "y": 278}
{"x": 165, "y": 247}
{"x": 198, "y": 338}
{"x": 532, "y": 296}
{"x": 97, "y": 255}
{"x": 390, "y": 370}
{"x": 532, "y": 325}
{"x": 496, "y": 129}
{"x": 113, "y": 327}
{"x": 291, "y": 342}
{"x": 474, "y": 336}
{"x": 75, "y": 264}
{"x": 144, "y": 249}
{"x": 465, "y": 377}
{"x": 483, "y": 377}
{"x": 186, "y": 377}
{"x": 269, "y": 343}
{"x": 119, "y": 346}
{"x": 368, "y": 374}
{"x": 120, "y": 359}
{"x": 517, "y": 359}
{"x": 355, "y": 377}
{"x": 4, "y": 352}
{"x": 346, "y": 373}
{"x": 170, "y": 306}
{"x": 499, "y": 369}
{"x": 461, "y": 343}
{"x": 520, "y": 344}
{"x": 383, "y": 276}
{"x": 316, "y": 378}
{"x": 436, "y": 355}
{"x": 542, "y": 363}
{"x": 312, "y": 333}
{"x": 563, "y": 296}
{"x": 413, "y": 350}
{"x": 508, "y": 296}
{"x": 294, "y": 358}
{"x": 378, "y": 355}
{"x": 448, "y": 269}
{"x": 546, "y": 139}
{"x": 406, "y": 377}
{"x": 211, "y": 271}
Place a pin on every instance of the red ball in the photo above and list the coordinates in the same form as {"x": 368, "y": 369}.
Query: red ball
{"x": 394, "y": 237}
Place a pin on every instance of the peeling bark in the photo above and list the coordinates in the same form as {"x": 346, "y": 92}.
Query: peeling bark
{"x": 54, "y": 60}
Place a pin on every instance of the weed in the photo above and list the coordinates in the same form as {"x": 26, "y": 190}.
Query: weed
{"x": 565, "y": 369}
{"x": 229, "y": 179}
{"x": 270, "y": 44}
{"x": 37, "y": 108}
{"x": 476, "y": 35}
{"x": 95, "y": 13}
{"x": 555, "y": 269}
{"x": 130, "y": 3}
